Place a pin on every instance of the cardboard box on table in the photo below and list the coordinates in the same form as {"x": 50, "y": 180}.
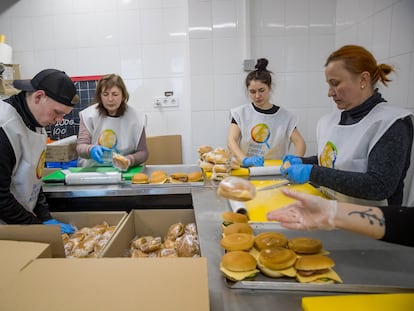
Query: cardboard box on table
{"x": 11, "y": 72}
{"x": 16, "y": 255}
{"x": 114, "y": 283}
{"x": 51, "y": 234}
{"x": 110, "y": 284}
{"x": 153, "y": 222}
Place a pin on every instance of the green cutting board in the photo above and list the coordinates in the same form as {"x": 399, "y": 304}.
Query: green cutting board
{"x": 59, "y": 177}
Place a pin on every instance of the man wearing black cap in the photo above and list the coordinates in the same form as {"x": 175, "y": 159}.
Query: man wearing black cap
{"x": 44, "y": 101}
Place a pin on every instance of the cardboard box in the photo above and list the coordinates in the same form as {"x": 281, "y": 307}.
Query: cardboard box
{"x": 110, "y": 284}
{"x": 61, "y": 153}
{"x": 154, "y": 222}
{"x": 52, "y": 235}
{"x": 11, "y": 72}
{"x": 164, "y": 149}
{"x": 15, "y": 256}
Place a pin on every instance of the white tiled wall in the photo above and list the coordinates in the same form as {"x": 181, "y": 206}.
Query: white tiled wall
{"x": 196, "y": 49}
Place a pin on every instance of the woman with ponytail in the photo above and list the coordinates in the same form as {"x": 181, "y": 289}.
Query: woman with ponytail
{"x": 365, "y": 147}
{"x": 261, "y": 130}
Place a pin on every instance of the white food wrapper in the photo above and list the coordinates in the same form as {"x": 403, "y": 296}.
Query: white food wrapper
{"x": 264, "y": 170}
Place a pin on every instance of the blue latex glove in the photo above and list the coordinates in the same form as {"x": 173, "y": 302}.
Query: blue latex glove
{"x": 298, "y": 173}
{"x": 96, "y": 153}
{"x": 292, "y": 159}
{"x": 64, "y": 228}
{"x": 253, "y": 161}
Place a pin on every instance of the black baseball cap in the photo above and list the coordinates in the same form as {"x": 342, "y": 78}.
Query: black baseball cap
{"x": 56, "y": 84}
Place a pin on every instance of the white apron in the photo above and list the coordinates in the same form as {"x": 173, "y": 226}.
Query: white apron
{"x": 30, "y": 150}
{"x": 266, "y": 135}
{"x": 121, "y": 134}
{"x": 347, "y": 147}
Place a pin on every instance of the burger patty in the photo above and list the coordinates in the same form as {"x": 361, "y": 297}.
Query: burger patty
{"x": 312, "y": 272}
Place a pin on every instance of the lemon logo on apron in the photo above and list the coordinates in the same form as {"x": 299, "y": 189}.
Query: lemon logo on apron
{"x": 41, "y": 164}
{"x": 260, "y": 133}
{"x": 107, "y": 138}
{"x": 328, "y": 156}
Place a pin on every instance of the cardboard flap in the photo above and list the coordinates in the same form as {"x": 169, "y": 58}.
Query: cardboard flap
{"x": 110, "y": 284}
{"x": 35, "y": 233}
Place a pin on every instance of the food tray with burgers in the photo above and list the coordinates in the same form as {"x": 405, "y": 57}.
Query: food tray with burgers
{"x": 265, "y": 256}
{"x": 178, "y": 175}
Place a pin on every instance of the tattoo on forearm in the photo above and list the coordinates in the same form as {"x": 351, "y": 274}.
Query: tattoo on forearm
{"x": 372, "y": 218}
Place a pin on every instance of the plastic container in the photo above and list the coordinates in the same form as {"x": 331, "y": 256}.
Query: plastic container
{"x": 6, "y": 51}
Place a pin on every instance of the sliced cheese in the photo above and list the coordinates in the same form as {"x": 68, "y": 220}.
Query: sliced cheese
{"x": 237, "y": 276}
{"x": 331, "y": 274}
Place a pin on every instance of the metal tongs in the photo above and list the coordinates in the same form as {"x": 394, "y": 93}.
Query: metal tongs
{"x": 281, "y": 184}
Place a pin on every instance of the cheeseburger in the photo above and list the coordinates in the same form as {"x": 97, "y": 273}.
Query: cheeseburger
{"x": 237, "y": 242}
{"x": 231, "y": 218}
{"x": 277, "y": 262}
{"x": 304, "y": 245}
{"x": 316, "y": 269}
{"x": 140, "y": 178}
{"x": 238, "y": 266}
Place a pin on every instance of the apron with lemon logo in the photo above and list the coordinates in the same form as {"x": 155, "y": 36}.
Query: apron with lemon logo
{"x": 347, "y": 147}
{"x": 120, "y": 134}
{"x": 30, "y": 150}
{"x": 266, "y": 135}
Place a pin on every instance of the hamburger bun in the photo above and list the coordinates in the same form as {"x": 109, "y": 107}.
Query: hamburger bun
{"x": 232, "y": 217}
{"x": 195, "y": 176}
{"x": 238, "y": 265}
{"x": 304, "y": 245}
{"x": 120, "y": 162}
{"x": 236, "y": 188}
{"x": 240, "y": 227}
{"x": 140, "y": 178}
{"x": 204, "y": 149}
{"x": 277, "y": 262}
{"x": 158, "y": 177}
{"x": 178, "y": 177}
{"x": 316, "y": 268}
{"x": 270, "y": 240}
{"x": 237, "y": 242}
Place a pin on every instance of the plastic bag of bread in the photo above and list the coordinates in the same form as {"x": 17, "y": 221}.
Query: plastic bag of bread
{"x": 237, "y": 189}
{"x": 188, "y": 246}
{"x": 120, "y": 162}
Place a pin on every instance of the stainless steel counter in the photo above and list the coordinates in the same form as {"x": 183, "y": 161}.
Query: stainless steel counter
{"x": 359, "y": 259}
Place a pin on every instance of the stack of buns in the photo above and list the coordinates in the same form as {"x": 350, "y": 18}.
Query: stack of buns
{"x": 180, "y": 241}
{"x": 218, "y": 161}
{"x": 301, "y": 258}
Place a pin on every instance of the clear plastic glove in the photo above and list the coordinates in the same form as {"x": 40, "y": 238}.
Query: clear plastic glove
{"x": 298, "y": 173}
{"x": 307, "y": 213}
{"x": 97, "y": 151}
{"x": 64, "y": 228}
{"x": 253, "y": 161}
{"x": 292, "y": 159}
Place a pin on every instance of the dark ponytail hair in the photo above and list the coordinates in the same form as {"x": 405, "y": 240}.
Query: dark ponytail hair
{"x": 260, "y": 74}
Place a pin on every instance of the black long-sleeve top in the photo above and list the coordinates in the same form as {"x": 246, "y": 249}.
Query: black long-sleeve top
{"x": 11, "y": 211}
{"x": 388, "y": 161}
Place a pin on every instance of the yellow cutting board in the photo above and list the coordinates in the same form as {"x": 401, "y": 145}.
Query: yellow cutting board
{"x": 268, "y": 200}
{"x": 371, "y": 302}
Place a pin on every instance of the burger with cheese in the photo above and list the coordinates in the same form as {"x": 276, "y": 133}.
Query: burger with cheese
{"x": 277, "y": 262}
{"x": 316, "y": 269}
{"x": 238, "y": 266}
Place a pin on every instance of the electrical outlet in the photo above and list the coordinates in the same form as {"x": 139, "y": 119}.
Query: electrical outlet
{"x": 166, "y": 101}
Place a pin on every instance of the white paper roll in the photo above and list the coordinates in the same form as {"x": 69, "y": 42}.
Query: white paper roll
{"x": 93, "y": 178}
{"x": 238, "y": 207}
{"x": 264, "y": 170}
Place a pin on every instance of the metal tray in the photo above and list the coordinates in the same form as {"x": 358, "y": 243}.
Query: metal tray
{"x": 365, "y": 265}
